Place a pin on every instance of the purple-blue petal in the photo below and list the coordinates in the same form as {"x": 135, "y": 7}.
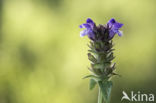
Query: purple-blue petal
{"x": 118, "y": 25}
{"x": 114, "y": 28}
{"x": 112, "y": 21}
{"x": 91, "y": 34}
{"x": 85, "y": 26}
{"x": 83, "y": 33}
{"x": 89, "y": 20}
{"x": 120, "y": 33}
{"x": 111, "y": 34}
{"x": 81, "y": 26}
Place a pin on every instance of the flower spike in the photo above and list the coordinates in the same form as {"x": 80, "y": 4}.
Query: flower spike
{"x": 101, "y": 55}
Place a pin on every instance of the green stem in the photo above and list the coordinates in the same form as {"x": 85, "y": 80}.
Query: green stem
{"x": 100, "y": 97}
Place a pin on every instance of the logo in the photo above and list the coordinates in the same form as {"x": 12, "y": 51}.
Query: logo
{"x": 140, "y": 97}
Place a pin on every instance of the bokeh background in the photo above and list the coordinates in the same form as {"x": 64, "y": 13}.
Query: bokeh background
{"x": 43, "y": 59}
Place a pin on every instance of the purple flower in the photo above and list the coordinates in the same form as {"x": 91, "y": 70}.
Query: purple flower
{"x": 89, "y": 25}
{"x": 114, "y": 28}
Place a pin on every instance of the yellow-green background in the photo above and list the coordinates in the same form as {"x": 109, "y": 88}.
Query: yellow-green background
{"x": 43, "y": 58}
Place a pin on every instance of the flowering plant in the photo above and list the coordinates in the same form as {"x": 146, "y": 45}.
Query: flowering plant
{"x": 101, "y": 55}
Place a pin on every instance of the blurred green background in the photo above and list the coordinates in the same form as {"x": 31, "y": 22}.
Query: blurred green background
{"x": 43, "y": 58}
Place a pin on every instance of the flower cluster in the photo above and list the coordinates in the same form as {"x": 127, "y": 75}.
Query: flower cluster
{"x": 112, "y": 27}
{"x": 89, "y": 25}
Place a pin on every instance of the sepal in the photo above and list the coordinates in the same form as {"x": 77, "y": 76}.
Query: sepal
{"x": 92, "y": 58}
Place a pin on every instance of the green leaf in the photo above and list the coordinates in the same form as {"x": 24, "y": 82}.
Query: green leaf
{"x": 92, "y": 77}
{"x": 92, "y": 84}
{"x": 106, "y": 87}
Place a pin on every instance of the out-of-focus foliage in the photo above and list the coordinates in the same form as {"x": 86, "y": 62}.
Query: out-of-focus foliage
{"x": 43, "y": 59}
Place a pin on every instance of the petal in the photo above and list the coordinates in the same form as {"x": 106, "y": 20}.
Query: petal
{"x": 81, "y": 26}
{"x": 91, "y": 34}
{"x": 114, "y": 30}
{"x": 83, "y": 33}
{"x": 120, "y": 33}
{"x": 118, "y": 25}
{"x": 89, "y": 20}
{"x": 85, "y": 26}
{"x": 111, "y": 34}
{"x": 112, "y": 21}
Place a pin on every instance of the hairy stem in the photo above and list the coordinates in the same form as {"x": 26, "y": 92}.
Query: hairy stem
{"x": 100, "y": 98}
